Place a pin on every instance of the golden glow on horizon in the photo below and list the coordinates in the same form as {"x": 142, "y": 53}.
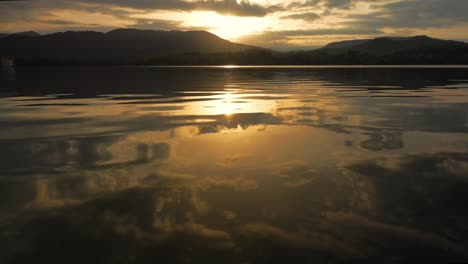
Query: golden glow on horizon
{"x": 276, "y": 30}
{"x": 229, "y": 27}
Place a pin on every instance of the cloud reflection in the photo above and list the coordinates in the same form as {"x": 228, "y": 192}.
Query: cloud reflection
{"x": 263, "y": 166}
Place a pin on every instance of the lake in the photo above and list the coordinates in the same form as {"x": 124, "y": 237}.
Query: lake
{"x": 234, "y": 165}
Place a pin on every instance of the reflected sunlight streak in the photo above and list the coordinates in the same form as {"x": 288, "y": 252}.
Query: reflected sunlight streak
{"x": 231, "y": 66}
{"x": 226, "y": 106}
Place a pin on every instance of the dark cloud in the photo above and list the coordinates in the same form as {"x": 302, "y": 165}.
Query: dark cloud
{"x": 310, "y": 16}
{"x": 152, "y": 218}
{"x": 339, "y": 3}
{"x": 413, "y": 14}
{"x": 426, "y": 12}
{"x": 44, "y": 12}
{"x": 329, "y": 4}
{"x": 230, "y": 7}
{"x": 326, "y": 31}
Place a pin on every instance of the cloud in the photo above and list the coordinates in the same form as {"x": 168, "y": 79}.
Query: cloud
{"x": 276, "y": 27}
{"x": 228, "y": 7}
{"x": 414, "y": 238}
{"x": 231, "y": 7}
{"x": 241, "y": 184}
{"x": 455, "y": 167}
{"x": 413, "y": 14}
{"x": 160, "y": 25}
{"x": 296, "y": 173}
{"x": 328, "y": 4}
{"x": 309, "y": 16}
{"x": 58, "y": 15}
{"x": 282, "y": 240}
{"x": 190, "y": 228}
{"x": 178, "y": 221}
{"x": 386, "y": 140}
{"x": 230, "y": 161}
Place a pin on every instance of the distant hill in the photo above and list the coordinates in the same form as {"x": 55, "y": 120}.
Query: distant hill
{"x": 121, "y": 45}
{"x": 152, "y": 47}
{"x": 356, "y": 42}
{"x": 388, "y": 50}
{"x": 388, "y": 45}
{"x": 345, "y": 44}
{"x": 26, "y": 33}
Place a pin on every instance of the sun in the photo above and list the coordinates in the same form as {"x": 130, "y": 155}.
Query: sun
{"x": 228, "y": 27}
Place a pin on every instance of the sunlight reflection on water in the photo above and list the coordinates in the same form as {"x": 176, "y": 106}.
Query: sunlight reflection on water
{"x": 232, "y": 164}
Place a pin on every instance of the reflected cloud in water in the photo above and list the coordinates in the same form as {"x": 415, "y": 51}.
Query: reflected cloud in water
{"x": 137, "y": 165}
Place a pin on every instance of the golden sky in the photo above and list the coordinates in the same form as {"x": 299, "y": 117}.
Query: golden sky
{"x": 280, "y": 24}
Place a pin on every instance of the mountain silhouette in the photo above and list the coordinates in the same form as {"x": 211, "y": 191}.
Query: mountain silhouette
{"x": 127, "y": 45}
{"x": 345, "y": 44}
{"x": 388, "y": 45}
{"x": 393, "y": 50}
{"x": 26, "y": 33}
{"x": 155, "y": 47}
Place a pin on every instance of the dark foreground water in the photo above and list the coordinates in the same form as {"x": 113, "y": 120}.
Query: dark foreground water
{"x": 228, "y": 165}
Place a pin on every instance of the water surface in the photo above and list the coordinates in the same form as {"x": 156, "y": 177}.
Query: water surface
{"x": 234, "y": 165}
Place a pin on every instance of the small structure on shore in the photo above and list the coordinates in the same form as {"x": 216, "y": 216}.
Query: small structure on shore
{"x": 8, "y": 61}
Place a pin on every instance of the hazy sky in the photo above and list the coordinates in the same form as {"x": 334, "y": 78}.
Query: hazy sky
{"x": 270, "y": 23}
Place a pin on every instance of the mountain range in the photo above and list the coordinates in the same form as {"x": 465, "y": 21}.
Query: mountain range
{"x": 26, "y": 33}
{"x": 155, "y": 47}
